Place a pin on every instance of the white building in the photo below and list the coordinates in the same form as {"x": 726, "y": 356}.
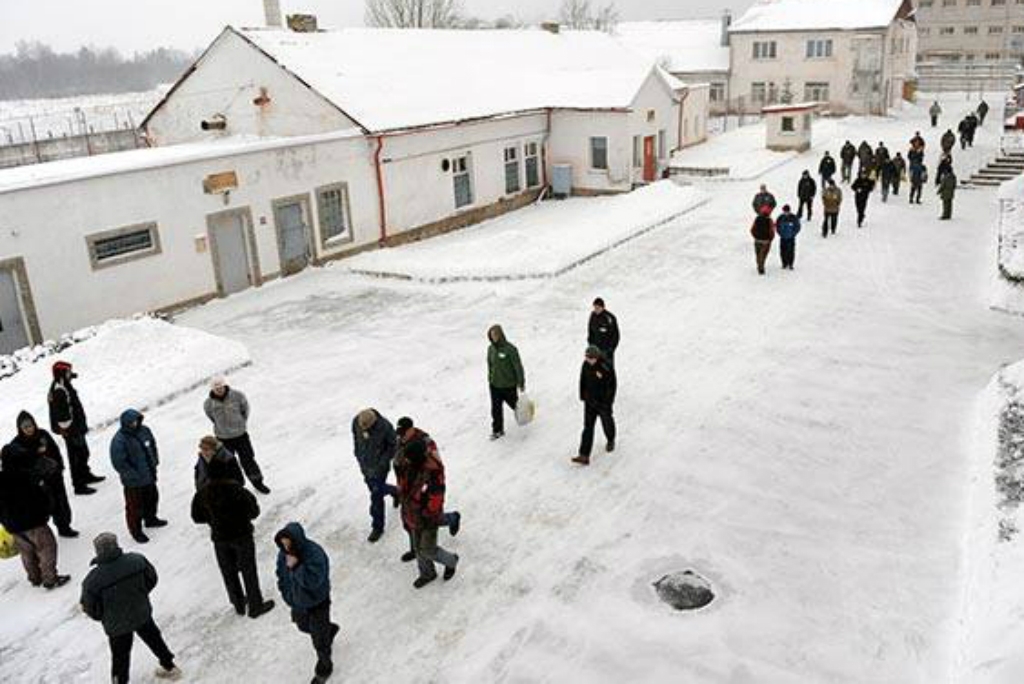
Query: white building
{"x": 279, "y": 149}
{"x": 852, "y": 55}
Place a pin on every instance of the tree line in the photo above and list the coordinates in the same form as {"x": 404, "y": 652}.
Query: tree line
{"x": 572, "y": 14}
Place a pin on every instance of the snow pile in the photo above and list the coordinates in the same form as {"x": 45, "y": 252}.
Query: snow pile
{"x": 12, "y": 363}
{"x": 542, "y": 241}
{"x": 814, "y": 15}
{"x": 140, "y": 363}
{"x": 1008, "y": 292}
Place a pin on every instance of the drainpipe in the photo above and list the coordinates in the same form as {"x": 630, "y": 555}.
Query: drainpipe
{"x": 380, "y": 192}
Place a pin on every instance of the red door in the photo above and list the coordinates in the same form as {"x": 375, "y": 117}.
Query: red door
{"x": 650, "y": 167}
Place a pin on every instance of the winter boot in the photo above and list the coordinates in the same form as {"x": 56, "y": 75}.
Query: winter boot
{"x": 450, "y": 572}
{"x": 68, "y": 533}
{"x": 93, "y": 478}
{"x": 375, "y": 535}
{"x": 155, "y": 522}
{"x": 408, "y": 556}
{"x": 423, "y": 581}
{"x": 59, "y": 582}
{"x": 610, "y": 446}
{"x": 140, "y": 538}
{"x": 456, "y": 523}
{"x": 582, "y": 460}
{"x": 264, "y": 607}
{"x": 260, "y": 487}
{"x": 240, "y": 608}
{"x": 171, "y": 673}
{"x": 496, "y": 436}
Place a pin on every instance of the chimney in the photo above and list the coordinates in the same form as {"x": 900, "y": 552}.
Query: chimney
{"x": 726, "y": 23}
{"x": 272, "y": 11}
{"x": 551, "y": 27}
{"x": 302, "y": 23}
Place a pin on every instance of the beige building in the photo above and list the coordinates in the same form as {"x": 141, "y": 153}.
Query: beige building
{"x": 970, "y": 30}
{"x": 852, "y": 56}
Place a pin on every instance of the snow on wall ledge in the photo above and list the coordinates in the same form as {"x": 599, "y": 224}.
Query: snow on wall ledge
{"x": 543, "y": 241}
{"x": 1008, "y": 290}
{"x": 138, "y": 364}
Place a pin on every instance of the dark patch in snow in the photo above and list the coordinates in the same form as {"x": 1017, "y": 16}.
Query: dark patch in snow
{"x": 1009, "y": 474}
{"x": 684, "y": 590}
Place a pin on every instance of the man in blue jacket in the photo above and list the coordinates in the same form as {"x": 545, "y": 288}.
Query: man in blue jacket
{"x": 374, "y": 441}
{"x": 787, "y": 226}
{"x": 134, "y": 455}
{"x": 304, "y": 579}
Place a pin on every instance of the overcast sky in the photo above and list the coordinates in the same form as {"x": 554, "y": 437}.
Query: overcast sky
{"x": 131, "y": 25}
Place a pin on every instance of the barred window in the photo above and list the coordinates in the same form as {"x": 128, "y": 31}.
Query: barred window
{"x": 333, "y": 212}
{"x": 123, "y": 244}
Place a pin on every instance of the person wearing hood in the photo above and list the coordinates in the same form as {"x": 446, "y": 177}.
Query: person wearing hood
{"x": 67, "y": 419}
{"x": 806, "y": 190}
{"x": 374, "y": 441}
{"x": 304, "y": 580}
{"x": 422, "y": 495}
{"x": 866, "y": 156}
{"x": 948, "y": 141}
{"x": 228, "y": 410}
{"x": 847, "y": 155}
{"x": 504, "y": 374}
{"x": 49, "y": 466}
{"x": 597, "y": 392}
{"x": 229, "y": 509}
{"x": 134, "y": 455}
{"x": 210, "y": 451}
{"x": 25, "y": 514}
{"x": 116, "y": 594}
{"x": 826, "y": 168}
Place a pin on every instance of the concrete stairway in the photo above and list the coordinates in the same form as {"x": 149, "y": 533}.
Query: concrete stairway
{"x": 1007, "y": 166}
{"x": 944, "y": 77}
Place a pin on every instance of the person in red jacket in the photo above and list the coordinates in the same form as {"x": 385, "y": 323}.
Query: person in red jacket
{"x": 407, "y": 433}
{"x": 421, "y": 490}
{"x": 763, "y": 232}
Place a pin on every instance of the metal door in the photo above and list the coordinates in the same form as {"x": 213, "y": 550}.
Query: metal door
{"x": 229, "y": 251}
{"x": 292, "y": 235}
{"x": 13, "y": 335}
{"x": 649, "y": 161}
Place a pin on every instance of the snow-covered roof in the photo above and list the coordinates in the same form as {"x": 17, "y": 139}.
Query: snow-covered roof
{"x": 817, "y": 15}
{"x": 683, "y": 46}
{"x": 388, "y": 79}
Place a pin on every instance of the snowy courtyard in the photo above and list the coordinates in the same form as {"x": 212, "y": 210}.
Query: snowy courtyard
{"x": 804, "y": 440}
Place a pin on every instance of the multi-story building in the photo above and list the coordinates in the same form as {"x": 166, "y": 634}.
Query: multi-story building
{"x": 970, "y": 30}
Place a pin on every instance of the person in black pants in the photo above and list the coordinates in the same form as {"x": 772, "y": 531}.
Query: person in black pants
{"x": 603, "y": 331}
{"x": 47, "y": 463}
{"x": 597, "y": 392}
{"x": 504, "y": 374}
{"x": 806, "y": 190}
{"x": 228, "y": 410}
{"x": 67, "y": 419}
{"x": 229, "y": 509}
{"x": 862, "y": 188}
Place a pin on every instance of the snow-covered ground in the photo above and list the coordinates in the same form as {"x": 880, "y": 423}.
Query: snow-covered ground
{"x": 1008, "y": 288}
{"x": 803, "y": 440}
{"x": 59, "y": 117}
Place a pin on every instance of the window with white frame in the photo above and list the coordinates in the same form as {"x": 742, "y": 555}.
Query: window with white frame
{"x": 119, "y": 245}
{"x": 758, "y": 92}
{"x": 333, "y": 213}
{"x": 717, "y": 92}
{"x": 532, "y": 164}
{"x": 512, "y": 183}
{"x": 764, "y": 49}
{"x": 462, "y": 179}
{"x": 816, "y": 91}
{"x": 819, "y": 49}
{"x": 662, "y": 144}
{"x": 599, "y": 153}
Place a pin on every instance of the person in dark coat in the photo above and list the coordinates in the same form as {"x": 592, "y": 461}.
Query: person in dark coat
{"x": 228, "y": 410}
{"x": 945, "y": 166}
{"x": 847, "y": 155}
{"x": 788, "y": 227}
{"x": 806, "y": 190}
{"x": 947, "y": 191}
{"x": 948, "y": 141}
{"x": 25, "y": 514}
{"x": 867, "y": 159}
{"x": 422, "y": 493}
{"x": 862, "y": 188}
{"x": 917, "y": 143}
{"x": 504, "y": 374}
{"x": 887, "y": 176}
{"x": 229, "y": 509}
{"x": 116, "y": 593}
{"x": 982, "y": 112}
{"x": 304, "y": 580}
{"x": 972, "y": 128}
{"x": 603, "y": 331}
{"x": 831, "y": 201}
{"x": 134, "y": 455}
{"x": 881, "y": 155}
{"x": 597, "y": 392}
{"x": 900, "y": 169}
{"x": 934, "y": 112}
{"x": 826, "y": 168}
{"x": 210, "y": 450}
{"x": 918, "y": 177}
{"x": 374, "y": 441}
{"x": 48, "y": 464}
{"x": 964, "y": 130}
{"x": 763, "y": 232}
{"x": 763, "y": 199}
{"x": 67, "y": 419}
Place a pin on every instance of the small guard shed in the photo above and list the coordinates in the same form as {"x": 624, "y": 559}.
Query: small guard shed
{"x": 789, "y": 126}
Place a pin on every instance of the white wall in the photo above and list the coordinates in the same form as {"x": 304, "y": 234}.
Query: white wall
{"x": 570, "y": 144}
{"x": 226, "y": 81}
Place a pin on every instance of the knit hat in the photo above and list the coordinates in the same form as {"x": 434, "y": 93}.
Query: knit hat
{"x": 218, "y": 383}
{"x": 593, "y": 352}
{"x": 105, "y": 543}
{"x": 405, "y": 423}
{"x": 366, "y": 419}
{"x": 210, "y": 442}
{"x": 60, "y": 368}
{"x": 599, "y": 302}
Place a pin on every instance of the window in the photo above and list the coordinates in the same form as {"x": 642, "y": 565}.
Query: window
{"x": 463, "y": 180}
{"x": 787, "y": 124}
{"x": 995, "y": 29}
{"x": 946, "y": 30}
{"x": 717, "y": 92}
{"x": 998, "y": 3}
{"x": 512, "y": 184}
{"x": 970, "y": 30}
{"x": 599, "y": 153}
{"x": 532, "y": 165}
{"x": 816, "y": 91}
{"x": 1018, "y": 29}
{"x": 758, "y": 92}
{"x": 927, "y": 3}
{"x": 764, "y": 49}
{"x": 973, "y": 3}
{"x": 949, "y": 3}
{"x": 819, "y": 49}
{"x": 333, "y": 213}
{"x": 662, "y": 147}
{"x": 117, "y": 246}
{"x": 924, "y": 30}
{"x": 638, "y": 154}
{"x": 992, "y": 55}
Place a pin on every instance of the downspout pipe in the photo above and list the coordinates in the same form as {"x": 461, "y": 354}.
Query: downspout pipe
{"x": 382, "y": 204}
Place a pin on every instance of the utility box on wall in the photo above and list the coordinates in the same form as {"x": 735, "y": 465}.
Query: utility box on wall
{"x": 788, "y": 127}
{"x": 561, "y": 180}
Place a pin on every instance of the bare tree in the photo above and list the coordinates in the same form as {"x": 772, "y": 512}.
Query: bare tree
{"x": 581, "y": 15}
{"x": 413, "y": 13}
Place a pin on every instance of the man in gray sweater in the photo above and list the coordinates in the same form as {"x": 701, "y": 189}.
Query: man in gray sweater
{"x": 228, "y": 410}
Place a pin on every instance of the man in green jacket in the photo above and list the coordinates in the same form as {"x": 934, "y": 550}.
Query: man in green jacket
{"x": 504, "y": 374}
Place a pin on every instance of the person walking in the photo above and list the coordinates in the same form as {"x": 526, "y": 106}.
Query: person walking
{"x": 304, "y": 580}
{"x": 25, "y": 514}
{"x": 917, "y": 142}
{"x": 603, "y": 331}
{"x": 935, "y": 111}
{"x": 866, "y": 156}
{"x": 228, "y": 410}
{"x": 847, "y": 155}
{"x": 374, "y": 441}
{"x": 945, "y": 166}
{"x": 887, "y": 176}
{"x": 47, "y": 464}
{"x": 134, "y": 455}
{"x": 827, "y": 168}
{"x": 964, "y": 130}
{"x": 982, "y": 112}
{"x": 881, "y": 155}
{"x": 972, "y": 128}
{"x": 900, "y": 173}
{"x": 504, "y": 374}
{"x": 862, "y": 188}
{"x": 948, "y": 141}
{"x": 212, "y": 451}
{"x": 918, "y": 177}
{"x": 947, "y": 191}
{"x": 116, "y": 593}
{"x": 806, "y": 190}
{"x": 763, "y": 232}
{"x": 763, "y": 199}
{"x": 831, "y": 201}
{"x": 597, "y": 392}
{"x": 67, "y": 419}
{"x": 229, "y": 509}
{"x": 788, "y": 227}
{"x": 422, "y": 495}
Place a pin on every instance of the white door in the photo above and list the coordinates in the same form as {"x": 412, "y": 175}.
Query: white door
{"x": 230, "y": 254}
{"x": 13, "y": 335}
